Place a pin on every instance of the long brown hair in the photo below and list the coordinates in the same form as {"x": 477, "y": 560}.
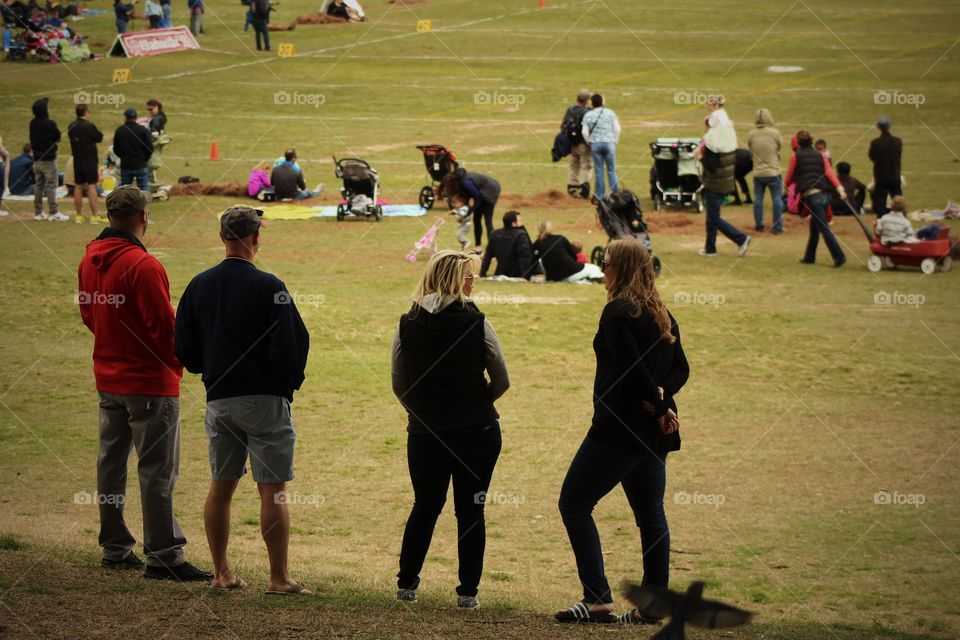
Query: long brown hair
{"x": 634, "y": 283}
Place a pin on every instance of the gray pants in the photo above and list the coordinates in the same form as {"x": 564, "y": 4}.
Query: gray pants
{"x": 45, "y": 171}
{"x": 581, "y": 165}
{"x": 196, "y": 23}
{"x": 152, "y": 425}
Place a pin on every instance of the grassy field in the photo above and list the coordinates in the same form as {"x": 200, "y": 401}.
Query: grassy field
{"x": 808, "y": 394}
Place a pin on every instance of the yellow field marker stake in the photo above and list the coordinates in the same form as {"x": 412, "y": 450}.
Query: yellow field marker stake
{"x": 122, "y": 75}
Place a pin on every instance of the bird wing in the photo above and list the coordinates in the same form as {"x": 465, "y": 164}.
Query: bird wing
{"x": 711, "y": 614}
{"x": 655, "y": 602}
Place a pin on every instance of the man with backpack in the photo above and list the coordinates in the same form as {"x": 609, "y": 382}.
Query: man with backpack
{"x": 581, "y": 164}
{"x": 260, "y": 16}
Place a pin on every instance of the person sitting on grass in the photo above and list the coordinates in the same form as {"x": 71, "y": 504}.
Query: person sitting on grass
{"x": 893, "y": 227}
{"x": 21, "y": 178}
{"x": 510, "y": 245}
{"x": 259, "y": 179}
{"x": 559, "y": 257}
{"x": 240, "y": 329}
{"x": 287, "y": 179}
{"x": 856, "y": 192}
{"x": 124, "y": 299}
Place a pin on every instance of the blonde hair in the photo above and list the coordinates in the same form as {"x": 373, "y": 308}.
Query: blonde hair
{"x": 544, "y": 229}
{"x": 263, "y": 166}
{"x": 634, "y": 282}
{"x": 446, "y": 274}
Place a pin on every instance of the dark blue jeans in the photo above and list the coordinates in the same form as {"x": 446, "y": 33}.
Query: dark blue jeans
{"x": 136, "y": 175}
{"x": 775, "y": 184}
{"x": 712, "y": 201}
{"x": 818, "y": 203}
{"x": 595, "y": 471}
{"x": 261, "y": 31}
{"x": 468, "y": 459}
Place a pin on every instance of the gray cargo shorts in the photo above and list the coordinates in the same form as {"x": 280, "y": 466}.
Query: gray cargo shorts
{"x": 258, "y": 425}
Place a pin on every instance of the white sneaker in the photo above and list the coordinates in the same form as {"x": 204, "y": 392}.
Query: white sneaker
{"x": 41, "y": 216}
{"x": 4, "y": 213}
{"x": 703, "y": 252}
{"x": 59, "y": 217}
{"x": 743, "y": 248}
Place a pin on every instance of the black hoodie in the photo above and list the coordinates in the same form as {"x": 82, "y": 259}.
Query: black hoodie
{"x": 44, "y": 134}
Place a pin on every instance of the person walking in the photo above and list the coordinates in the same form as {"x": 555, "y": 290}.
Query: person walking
{"x": 124, "y": 300}
{"x": 601, "y": 130}
{"x": 581, "y": 161}
{"x": 641, "y": 366}
{"x": 717, "y": 153}
{"x": 239, "y": 328}
{"x": 885, "y": 153}
{"x": 133, "y": 144}
{"x": 44, "y": 139}
{"x": 440, "y": 351}
{"x": 815, "y": 181}
{"x": 261, "y": 17}
{"x": 84, "y": 137}
{"x": 480, "y": 192}
{"x": 765, "y": 142}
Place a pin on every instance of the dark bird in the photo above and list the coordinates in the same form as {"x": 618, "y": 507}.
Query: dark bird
{"x": 683, "y": 608}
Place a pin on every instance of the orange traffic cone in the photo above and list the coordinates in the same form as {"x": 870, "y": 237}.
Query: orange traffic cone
{"x": 541, "y": 4}
{"x": 214, "y": 152}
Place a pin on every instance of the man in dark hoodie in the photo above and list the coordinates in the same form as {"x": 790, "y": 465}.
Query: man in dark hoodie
{"x": 239, "y": 327}
{"x": 124, "y": 300}
{"x": 44, "y": 137}
{"x": 133, "y": 144}
{"x": 885, "y": 152}
{"x": 510, "y": 245}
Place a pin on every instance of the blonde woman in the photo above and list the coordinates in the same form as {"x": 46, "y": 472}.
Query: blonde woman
{"x": 640, "y": 367}
{"x": 441, "y": 350}
{"x": 559, "y": 257}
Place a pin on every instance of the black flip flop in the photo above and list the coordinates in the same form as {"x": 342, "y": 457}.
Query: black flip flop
{"x": 580, "y": 613}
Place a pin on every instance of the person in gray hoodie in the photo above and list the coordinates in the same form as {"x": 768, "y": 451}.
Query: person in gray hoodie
{"x": 765, "y": 142}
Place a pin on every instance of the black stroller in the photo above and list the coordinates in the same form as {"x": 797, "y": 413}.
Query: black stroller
{"x": 620, "y": 216}
{"x": 675, "y": 175}
{"x": 439, "y": 161}
{"x": 360, "y": 189}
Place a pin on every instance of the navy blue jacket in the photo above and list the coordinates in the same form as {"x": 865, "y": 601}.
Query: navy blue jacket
{"x": 21, "y": 175}
{"x": 239, "y": 327}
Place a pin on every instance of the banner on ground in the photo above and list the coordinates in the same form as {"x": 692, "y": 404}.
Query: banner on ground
{"x": 153, "y": 42}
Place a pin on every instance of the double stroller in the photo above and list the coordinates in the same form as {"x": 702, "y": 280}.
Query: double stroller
{"x": 675, "y": 175}
{"x": 360, "y": 189}
{"x": 620, "y": 216}
{"x": 439, "y": 161}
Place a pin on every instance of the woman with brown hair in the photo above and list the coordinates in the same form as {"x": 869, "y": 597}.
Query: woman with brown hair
{"x": 441, "y": 350}
{"x": 640, "y": 367}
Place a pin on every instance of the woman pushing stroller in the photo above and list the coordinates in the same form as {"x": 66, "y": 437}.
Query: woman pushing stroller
{"x": 480, "y": 193}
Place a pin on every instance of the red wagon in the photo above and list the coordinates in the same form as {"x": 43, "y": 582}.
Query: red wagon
{"x": 926, "y": 254}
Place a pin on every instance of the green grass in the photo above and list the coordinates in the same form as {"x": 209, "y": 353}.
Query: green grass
{"x": 805, "y": 398}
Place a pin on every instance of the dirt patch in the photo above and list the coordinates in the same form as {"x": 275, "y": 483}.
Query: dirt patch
{"x": 403, "y": 2}
{"x": 553, "y": 198}
{"x": 279, "y": 26}
{"x": 229, "y": 189}
{"x": 319, "y": 18}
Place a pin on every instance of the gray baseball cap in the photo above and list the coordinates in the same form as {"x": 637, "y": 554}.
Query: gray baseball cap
{"x": 126, "y": 201}
{"x": 884, "y": 122}
{"x": 240, "y": 222}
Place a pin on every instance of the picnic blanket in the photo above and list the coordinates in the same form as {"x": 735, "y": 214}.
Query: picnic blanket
{"x": 305, "y": 212}
{"x": 61, "y": 194}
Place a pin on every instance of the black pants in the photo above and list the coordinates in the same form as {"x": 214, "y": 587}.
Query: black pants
{"x": 880, "y": 192}
{"x": 595, "y": 471}
{"x": 468, "y": 458}
{"x": 483, "y": 210}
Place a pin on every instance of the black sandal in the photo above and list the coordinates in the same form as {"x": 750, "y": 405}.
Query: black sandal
{"x": 635, "y": 617}
{"x": 580, "y": 612}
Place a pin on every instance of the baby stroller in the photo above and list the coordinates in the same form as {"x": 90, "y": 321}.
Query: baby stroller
{"x": 675, "y": 176}
{"x": 439, "y": 162}
{"x": 159, "y": 191}
{"x": 360, "y": 189}
{"x": 620, "y": 216}
{"x": 427, "y": 244}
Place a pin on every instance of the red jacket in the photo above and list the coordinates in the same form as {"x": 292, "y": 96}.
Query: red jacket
{"x": 124, "y": 299}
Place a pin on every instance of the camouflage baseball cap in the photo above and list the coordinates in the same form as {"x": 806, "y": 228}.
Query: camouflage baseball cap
{"x": 240, "y": 222}
{"x": 126, "y": 201}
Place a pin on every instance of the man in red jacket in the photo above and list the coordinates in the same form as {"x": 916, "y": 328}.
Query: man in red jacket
{"x": 124, "y": 299}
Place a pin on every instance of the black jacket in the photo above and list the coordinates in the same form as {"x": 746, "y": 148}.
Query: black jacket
{"x": 84, "y": 137}
{"x": 44, "y": 133}
{"x": 511, "y": 247}
{"x": 632, "y": 361}
{"x": 885, "y": 153}
{"x": 286, "y": 182}
{"x": 240, "y": 328}
{"x": 158, "y": 122}
{"x": 260, "y": 9}
{"x": 558, "y": 256}
{"x": 445, "y": 354}
{"x": 133, "y": 144}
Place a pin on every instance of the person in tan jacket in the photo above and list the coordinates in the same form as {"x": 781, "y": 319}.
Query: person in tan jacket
{"x": 765, "y": 142}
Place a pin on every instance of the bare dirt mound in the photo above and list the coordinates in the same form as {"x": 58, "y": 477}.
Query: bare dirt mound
{"x": 553, "y": 198}
{"x": 229, "y": 189}
{"x": 319, "y": 18}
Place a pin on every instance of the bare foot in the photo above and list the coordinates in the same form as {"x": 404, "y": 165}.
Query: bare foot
{"x": 289, "y": 588}
{"x": 228, "y": 582}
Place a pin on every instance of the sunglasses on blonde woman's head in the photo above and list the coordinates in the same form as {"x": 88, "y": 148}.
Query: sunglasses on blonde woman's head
{"x": 604, "y": 263}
